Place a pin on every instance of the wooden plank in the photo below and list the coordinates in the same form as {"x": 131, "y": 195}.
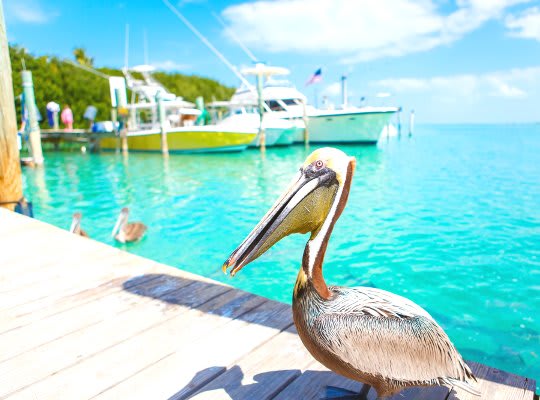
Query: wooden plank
{"x": 25, "y": 314}
{"x": 260, "y": 374}
{"x": 60, "y": 354}
{"x": 313, "y": 382}
{"x": 496, "y": 384}
{"x": 10, "y": 168}
{"x": 88, "y": 378}
{"x": 26, "y": 338}
{"x": 191, "y": 367}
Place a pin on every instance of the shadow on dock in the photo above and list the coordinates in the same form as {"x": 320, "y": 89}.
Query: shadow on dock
{"x": 231, "y": 303}
{"x": 212, "y": 298}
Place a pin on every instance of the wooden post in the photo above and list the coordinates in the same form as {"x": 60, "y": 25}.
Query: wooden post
{"x": 262, "y": 136}
{"x": 305, "y": 118}
{"x": 30, "y": 104}
{"x": 411, "y": 123}
{"x": 162, "y": 124}
{"x": 399, "y": 122}
{"x": 120, "y": 108}
{"x": 10, "y": 167}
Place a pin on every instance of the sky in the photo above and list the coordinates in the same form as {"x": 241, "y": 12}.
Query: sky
{"x": 452, "y": 61}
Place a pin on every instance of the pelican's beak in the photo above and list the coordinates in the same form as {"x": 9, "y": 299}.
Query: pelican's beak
{"x": 301, "y": 209}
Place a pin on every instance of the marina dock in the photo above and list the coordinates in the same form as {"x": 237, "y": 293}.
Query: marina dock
{"x": 83, "y": 320}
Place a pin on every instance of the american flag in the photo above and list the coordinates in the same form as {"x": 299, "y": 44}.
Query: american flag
{"x": 315, "y": 78}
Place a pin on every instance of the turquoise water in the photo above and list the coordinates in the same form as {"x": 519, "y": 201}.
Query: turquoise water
{"x": 449, "y": 218}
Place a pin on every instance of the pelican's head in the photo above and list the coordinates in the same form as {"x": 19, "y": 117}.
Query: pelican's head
{"x": 121, "y": 221}
{"x": 312, "y": 203}
{"x": 76, "y": 223}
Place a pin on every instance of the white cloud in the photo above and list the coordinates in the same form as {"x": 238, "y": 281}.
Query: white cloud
{"x": 507, "y": 84}
{"x": 334, "y": 89}
{"x": 357, "y": 31}
{"x": 526, "y": 24}
{"x": 28, "y": 11}
{"x": 169, "y": 65}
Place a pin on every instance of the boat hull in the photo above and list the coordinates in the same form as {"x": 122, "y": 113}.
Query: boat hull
{"x": 343, "y": 127}
{"x": 184, "y": 140}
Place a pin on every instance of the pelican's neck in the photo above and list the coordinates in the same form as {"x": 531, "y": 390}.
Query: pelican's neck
{"x": 316, "y": 246}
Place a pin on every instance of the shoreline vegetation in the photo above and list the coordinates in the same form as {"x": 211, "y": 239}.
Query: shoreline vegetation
{"x": 57, "y": 80}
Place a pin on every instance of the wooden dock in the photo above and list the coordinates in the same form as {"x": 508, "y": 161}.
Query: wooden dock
{"x": 83, "y": 320}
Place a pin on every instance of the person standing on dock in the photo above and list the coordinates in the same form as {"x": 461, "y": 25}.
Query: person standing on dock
{"x": 52, "y": 114}
{"x": 67, "y": 117}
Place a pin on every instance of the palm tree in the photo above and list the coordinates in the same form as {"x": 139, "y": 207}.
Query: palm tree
{"x": 80, "y": 56}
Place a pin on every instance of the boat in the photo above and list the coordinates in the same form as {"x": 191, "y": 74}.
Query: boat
{"x": 347, "y": 124}
{"x": 278, "y": 131}
{"x": 144, "y": 129}
{"x": 187, "y": 139}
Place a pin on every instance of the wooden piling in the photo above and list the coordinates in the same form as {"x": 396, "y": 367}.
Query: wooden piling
{"x": 411, "y": 123}
{"x": 305, "y": 119}
{"x": 162, "y": 124}
{"x": 10, "y": 168}
{"x": 121, "y": 107}
{"x": 262, "y": 135}
{"x": 34, "y": 137}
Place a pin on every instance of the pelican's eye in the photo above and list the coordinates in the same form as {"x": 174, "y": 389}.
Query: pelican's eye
{"x": 319, "y": 164}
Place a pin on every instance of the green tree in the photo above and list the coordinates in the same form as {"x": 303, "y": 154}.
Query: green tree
{"x": 60, "y": 81}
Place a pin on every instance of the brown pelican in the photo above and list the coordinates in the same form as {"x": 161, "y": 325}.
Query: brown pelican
{"x": 127, "y": 232}
{"x": 76, "y": 225}
{"x": 366, "y": 334}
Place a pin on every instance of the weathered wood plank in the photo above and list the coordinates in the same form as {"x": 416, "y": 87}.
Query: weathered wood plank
{"x": 88, "y": 378}
{"x": 60, "y": 354}
{"x": 496, "y": 384}
{"x": 28, "y": 337}
{"x": 260, "y": 374}
{"x": 191, "y": 367}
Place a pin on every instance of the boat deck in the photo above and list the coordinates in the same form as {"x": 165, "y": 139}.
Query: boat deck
{"x": 83, "y": 320}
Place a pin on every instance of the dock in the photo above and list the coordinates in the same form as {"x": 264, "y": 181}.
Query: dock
{"x": 83, "y": 320}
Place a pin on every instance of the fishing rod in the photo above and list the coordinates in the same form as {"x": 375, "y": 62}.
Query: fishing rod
{"x": 208, "y": 44}
{"x": 235, "y": 38}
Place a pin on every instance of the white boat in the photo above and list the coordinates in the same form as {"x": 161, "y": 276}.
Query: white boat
{"x": 346, "y": 125}
{"x": 278, "y": 131}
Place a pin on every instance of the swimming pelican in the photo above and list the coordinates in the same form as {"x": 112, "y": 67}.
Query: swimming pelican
{"x": 366, "y": 334}
{"x": 127, "y": 232}
{"x": 76, "y": 225}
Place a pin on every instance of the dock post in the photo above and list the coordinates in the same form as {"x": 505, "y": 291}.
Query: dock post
{"x": 162, "y": 124}
{"x": 399, "y": 122}
{"x": 10, "y": 167}
{"x": 120, "y": 111}
{"x": 305, "y": 119}
{"x": 411, "y": 123}
{"x": 30, "y": 104}
{"x": 262, "y": 136}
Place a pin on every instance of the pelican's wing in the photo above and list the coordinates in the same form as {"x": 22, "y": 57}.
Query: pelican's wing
{"x": 134, "y": 231}
{"x": 376, "y": 302}
{"x": 384, "y": 334}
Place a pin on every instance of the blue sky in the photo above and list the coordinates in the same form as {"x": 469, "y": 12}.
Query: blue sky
{"x": 452, "y": 61}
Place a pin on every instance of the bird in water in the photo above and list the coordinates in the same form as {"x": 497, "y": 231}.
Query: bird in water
{"x": 370, "y": 335}
{"x": 76, "y": 225}
{"x": 125, "y": 231}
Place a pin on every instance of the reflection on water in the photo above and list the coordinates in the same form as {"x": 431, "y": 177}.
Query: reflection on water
{"x": 449, "y": 218}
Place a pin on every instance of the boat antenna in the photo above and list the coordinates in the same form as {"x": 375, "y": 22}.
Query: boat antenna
{"x": 126, "y": 48}
{"x": 208, "y": 44}
{"x": 234, "y": 37}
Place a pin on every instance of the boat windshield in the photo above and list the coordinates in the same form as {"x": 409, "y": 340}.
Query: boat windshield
{"x": 274, "y": 105}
